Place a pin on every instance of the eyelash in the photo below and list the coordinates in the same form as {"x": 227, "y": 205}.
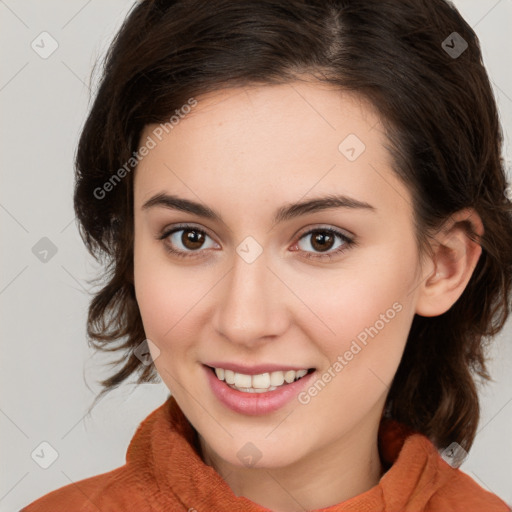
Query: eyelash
{"x": 348, "y": 242}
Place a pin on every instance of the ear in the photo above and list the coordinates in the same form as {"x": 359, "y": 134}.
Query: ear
{"x": 451, "y": 264}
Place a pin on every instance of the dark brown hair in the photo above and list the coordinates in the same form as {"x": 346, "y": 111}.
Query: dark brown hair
{"x": 442, "y": 125}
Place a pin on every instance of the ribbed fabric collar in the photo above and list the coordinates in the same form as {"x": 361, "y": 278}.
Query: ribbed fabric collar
{"x": 163, "y": 455}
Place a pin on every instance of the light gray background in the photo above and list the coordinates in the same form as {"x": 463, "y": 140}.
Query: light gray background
{"x": 48, "y": 373}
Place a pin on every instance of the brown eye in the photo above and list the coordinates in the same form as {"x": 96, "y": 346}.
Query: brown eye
{"x": 186, "y": 241}
{"x": 192, "y": 239}
{"x": 322, "y": 241}
{"x": 189, "y": 241}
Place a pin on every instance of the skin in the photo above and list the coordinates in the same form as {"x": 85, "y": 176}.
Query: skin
{"x": 246, "y": 152}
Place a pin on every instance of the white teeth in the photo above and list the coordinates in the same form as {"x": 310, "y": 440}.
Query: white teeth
{"x": 289, "y": 376}
{"x": 261, "y": 381}
{"x": 242, "y": 381}
{"x": 276, "y": 378}
{"x": 254, "y": 390}
{"x": 258, "y": 383}
{"x": 229, "y": 376}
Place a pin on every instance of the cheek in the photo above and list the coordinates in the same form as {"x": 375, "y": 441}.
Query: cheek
{"x": 169, "y": 299}
{"x": 161, "y": 305}
{"x": 156, "y": 287}
{"x": 369, "y": 297}
{"x": 371, "y": 326}
{"x": 366, "y": 315}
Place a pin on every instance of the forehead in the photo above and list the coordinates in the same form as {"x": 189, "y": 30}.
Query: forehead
{"x": 272, "y": 143}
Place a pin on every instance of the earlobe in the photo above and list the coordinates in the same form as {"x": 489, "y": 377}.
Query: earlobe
{"x": 454, "y": 258}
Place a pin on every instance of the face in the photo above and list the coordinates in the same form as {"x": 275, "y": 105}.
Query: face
{"x": 257, "y": 288}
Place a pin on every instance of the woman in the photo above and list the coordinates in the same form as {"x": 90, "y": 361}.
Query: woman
{"x": 304, "y": 212}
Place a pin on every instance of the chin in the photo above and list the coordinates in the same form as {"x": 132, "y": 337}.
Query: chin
{"x": 258, "y": 452}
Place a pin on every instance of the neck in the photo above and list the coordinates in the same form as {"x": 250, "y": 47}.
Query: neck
{"x": 328, "y": 476}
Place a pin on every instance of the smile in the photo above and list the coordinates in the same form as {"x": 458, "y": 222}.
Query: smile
{"x": 255, "y": 391}
{"x": 259, "y": 383}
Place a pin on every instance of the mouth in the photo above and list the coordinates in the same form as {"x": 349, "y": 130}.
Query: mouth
{"x": 261, "y": 382}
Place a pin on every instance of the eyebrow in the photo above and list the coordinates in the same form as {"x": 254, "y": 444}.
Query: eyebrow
{"x": 286, "y": 212}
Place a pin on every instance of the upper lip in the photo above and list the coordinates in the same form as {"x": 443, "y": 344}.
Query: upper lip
{"x": 254, "y": 369}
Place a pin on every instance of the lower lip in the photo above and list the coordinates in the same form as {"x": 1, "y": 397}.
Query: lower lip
{"x": 255, "y": 403}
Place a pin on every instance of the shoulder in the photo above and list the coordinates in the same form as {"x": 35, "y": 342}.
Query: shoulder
{"x": 113, "y": 490}
{"x": 420, "y": 478}
{"x": 461, "y": 492}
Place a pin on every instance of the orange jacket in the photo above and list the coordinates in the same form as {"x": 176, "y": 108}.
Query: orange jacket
{"x": 163, "y": 473}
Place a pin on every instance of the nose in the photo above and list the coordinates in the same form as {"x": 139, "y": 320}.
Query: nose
{"x": 252, "y": 305}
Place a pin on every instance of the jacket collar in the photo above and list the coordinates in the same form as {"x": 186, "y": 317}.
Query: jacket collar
{"x": 164, "y": 455}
